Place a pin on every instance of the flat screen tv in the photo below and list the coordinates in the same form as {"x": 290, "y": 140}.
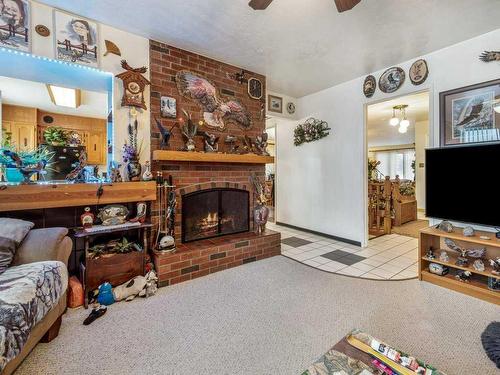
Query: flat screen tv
{"x": 461, "y": 184}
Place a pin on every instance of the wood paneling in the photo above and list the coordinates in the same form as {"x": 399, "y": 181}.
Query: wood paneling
{"x": 20, "y": 122}
{"x": 26, "y": 197}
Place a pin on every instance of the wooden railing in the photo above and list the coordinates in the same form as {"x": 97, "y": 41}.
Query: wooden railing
{"x": 13, "y": 31}
{"x": 82, "y": 47}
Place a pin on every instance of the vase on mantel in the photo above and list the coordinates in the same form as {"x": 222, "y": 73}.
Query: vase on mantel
{"x": 134, "y": 170}
{"x": 260, "y": 216}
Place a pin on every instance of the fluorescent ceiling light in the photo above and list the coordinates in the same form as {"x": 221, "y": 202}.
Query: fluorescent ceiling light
{"x": 65, "y": 97}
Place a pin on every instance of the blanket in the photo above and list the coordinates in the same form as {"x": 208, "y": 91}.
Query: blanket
{"x": 27, "y": 293}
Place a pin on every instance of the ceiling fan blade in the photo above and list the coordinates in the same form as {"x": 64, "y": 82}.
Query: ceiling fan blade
{"x": 343, "y": 5}
{"x": 259, "y": 4}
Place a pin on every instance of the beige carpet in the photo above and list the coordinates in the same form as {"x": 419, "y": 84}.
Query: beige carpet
{"x": 270, "y": 317}
{"x": 411, "y": 229}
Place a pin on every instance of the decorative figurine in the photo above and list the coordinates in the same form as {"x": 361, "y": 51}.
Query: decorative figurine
{"x": 147, "y": 175}
{"x": 189, "y": 131}
{"x": 78, "y": 172}
{"x": 260, "y": 211}
{"x": 141, "y": 213}
{"x": 211, "y": 142}
{"x": 165, "y": 134}
{"x": 443, "y": 257}
{"x": 464, "y": 276}
{"x": 495, "y": 264}
{"x": 167, "y": 244}
{"x": 134, "y": 84}
{"x": 430, "y": 254}
{"x": 462, "y": 260}
{"x": 261, "y": 144}
{"x": 445, "y": 226}
{"x": 113, "y": 214}
{"x": 131, "y": 151}
{"x": 231, "y": 141}
{"x": 494, "y": 284}
{"x": 468, "y": 232}
{"x": 438, "y": 269}
{"x": 114, "y": 169}
{"x": 248, "y": 144}
{"x": 478, "y": 265}
{"x": 26, "y": 168}
{"x": 87, "y": 218}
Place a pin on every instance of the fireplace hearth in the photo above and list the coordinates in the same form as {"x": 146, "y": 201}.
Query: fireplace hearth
{"x": 214, "y": 213}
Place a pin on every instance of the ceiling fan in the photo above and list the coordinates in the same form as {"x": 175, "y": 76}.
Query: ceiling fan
{"x": 342, "y": 5}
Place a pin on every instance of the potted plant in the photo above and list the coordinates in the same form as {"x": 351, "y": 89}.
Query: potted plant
{"x": 55, "y": 136}
{"x": 19, "y": 166}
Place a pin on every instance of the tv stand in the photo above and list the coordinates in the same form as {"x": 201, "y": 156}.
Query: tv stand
{"x": 478, "y": 285}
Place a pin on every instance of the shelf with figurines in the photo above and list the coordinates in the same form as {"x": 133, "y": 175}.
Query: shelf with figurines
{"x": 461, "y": 259}
{"x": 244, "y": 150}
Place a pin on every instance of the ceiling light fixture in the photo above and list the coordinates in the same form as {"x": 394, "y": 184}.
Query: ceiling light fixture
{"x": 65, "y": 97}
{"x": 400, "y": 120}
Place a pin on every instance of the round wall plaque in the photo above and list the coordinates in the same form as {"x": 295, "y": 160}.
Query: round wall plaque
{"x": 42, "y": 30}
{"x": 369, "y": 86}
{"x": 290, "y": 107}
{"x": 391, "y": 80}
{"x": 419, "y": 71}
{"x": 48, "y": 119}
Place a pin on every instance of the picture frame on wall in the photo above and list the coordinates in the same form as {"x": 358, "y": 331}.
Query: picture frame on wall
{"x": 76, "y": 39}
{"x": 255, "y": 88}
{"x": 168, "y": 107}
{"x": 15, "y": 25}
{"x": 275, "y": 104}
{"x": 470, "y": 114}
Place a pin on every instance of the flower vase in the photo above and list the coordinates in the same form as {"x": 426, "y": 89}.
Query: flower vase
{"x": 260, "y": 215}
{"x": 134, "y": 170}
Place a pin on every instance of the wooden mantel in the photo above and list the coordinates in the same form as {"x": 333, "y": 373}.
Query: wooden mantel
{"x": 166, "y": 155}
{"x": 37, "y": 196}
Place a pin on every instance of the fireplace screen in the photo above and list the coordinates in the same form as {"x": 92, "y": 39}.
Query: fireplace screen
{"x": 213, "y": 213}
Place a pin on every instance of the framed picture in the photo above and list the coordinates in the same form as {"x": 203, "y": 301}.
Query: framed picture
{"x": 76, "y": 39}
{"x": 275, "y": 104}
{"x": 470, "y": 114}
{"x": 255, "y": 88}
{"x": 168, "y": 107}
{"x": 15, "y": 24}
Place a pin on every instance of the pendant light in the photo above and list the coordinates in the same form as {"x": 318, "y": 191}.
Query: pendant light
{"x": 394, "y": 121}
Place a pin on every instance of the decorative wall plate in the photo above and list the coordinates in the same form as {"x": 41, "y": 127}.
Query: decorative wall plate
{"x": 391, "y": 80}
{"x": 42, "y": 30}
{"x": 255, "y": 88}
{"x": 419, "y": 71}
{"x": 290, "y": 108}
{"x": 369, "y": 86}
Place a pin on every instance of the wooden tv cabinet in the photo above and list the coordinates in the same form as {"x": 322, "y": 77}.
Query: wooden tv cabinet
{"x": 478, "y": 285}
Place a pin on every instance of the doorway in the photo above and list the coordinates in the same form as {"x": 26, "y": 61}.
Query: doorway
{"x": 397, "y": 136}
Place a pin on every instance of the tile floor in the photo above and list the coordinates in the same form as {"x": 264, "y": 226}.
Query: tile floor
{"x": 391, "y": 257}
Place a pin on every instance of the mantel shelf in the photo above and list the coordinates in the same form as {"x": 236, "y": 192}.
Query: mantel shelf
{"x": 166, "y": 155}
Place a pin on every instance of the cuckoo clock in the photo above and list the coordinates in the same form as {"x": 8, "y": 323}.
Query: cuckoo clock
{"x": 134, "y": 85}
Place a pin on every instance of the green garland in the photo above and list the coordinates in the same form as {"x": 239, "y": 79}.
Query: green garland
{"x": 310, "y": 131}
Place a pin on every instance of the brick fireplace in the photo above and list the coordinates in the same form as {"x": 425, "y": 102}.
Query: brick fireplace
{"x": 200, "y": 254}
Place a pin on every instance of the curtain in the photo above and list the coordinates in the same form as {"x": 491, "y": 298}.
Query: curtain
{"x": 396, "y": 163}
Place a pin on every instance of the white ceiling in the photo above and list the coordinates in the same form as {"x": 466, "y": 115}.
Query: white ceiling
{"x": 302, "y": 46}
{"x": 35, "y": 95}
{"x": 380, "y": 133}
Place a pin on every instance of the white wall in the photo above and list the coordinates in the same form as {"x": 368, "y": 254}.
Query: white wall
{"x": 134, "y": 49}
{"x": 322, "y": 184}
{"x": 421, "y": 143}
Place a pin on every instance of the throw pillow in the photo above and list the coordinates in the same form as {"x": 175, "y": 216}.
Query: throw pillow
{"x": 12, "y": 233}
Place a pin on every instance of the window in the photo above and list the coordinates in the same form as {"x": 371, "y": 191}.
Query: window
{"x": 396, "y": 163}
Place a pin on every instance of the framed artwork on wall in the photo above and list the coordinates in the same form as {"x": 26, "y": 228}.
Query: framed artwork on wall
{"x": 76, "y": 39}
{"x": 470, "y": 114}
{"x": 168, "y": 107}
{"x": 15, "y": 24}
{"x": 275, "y": 104}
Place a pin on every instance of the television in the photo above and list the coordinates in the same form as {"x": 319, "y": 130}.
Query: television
{"x": 461, "y": 184}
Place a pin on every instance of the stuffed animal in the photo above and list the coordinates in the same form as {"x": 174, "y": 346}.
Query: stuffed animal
{"x": 105, "y": 296}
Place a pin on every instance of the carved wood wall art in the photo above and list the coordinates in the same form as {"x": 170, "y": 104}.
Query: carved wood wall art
{"x": 42, "y": 30}
{"x": 218, "y": 111}
{"x": 134, "y": 84}
{"x": 111, "y": 48}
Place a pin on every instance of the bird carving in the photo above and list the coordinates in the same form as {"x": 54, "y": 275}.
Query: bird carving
{"x": 26, "y": 170}
{"x": 217, "y": 111}
{"x": 77, "y": 173}
{"x": 165, "y": 133}
{"x": 489, "y": 56}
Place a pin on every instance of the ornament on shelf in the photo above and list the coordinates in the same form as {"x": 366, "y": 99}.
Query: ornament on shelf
{"x": 87, "y": 218}
{"x": 115, "y": 175}
{"x": 473, "y": 253}
{"x": 113, "y": 214}
{"x": 478, "y": 265}
{"x": 468, "y": 232}
{"x": 147, "y": 175}
{"x": 189, "y": 130}
{"x": 141, "y": 213}
{"x": 261, "y": 144}
{"x": 78, "y": 172}
{"x": 311, "y": 130}
{"x": 430, "y": 254}
{"x": 231, "y": 141}
{"x": 495, "y": 264}
{"x": 134, "y": 84}
{"x": 165, "y": 134}
{"x": 438, "y": 269}
{"x": 464, "y": 276}
{"x": 131, "y": 151}
{"x": 443, "y": 257}
{"x": 445, "y": 226}
{"x": 248, "y": 145}
{"x": 211, "y": 142}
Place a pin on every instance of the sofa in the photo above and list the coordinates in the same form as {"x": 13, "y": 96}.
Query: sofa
{"x": 33, "y": 294}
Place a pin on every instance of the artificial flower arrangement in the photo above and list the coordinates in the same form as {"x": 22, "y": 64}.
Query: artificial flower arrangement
{"x": 311, "y": 130}
{"x": 55, "y": 136}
